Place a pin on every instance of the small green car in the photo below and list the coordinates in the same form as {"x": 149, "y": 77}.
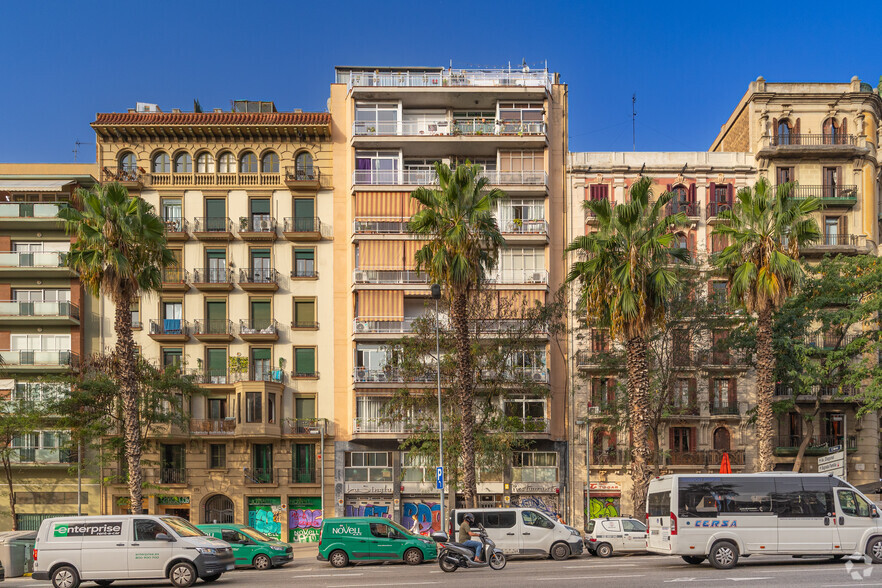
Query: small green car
{"x": 251, "y": 547}
{"x": 354, "y": 539}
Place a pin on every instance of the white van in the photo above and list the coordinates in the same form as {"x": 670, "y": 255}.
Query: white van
{"x": 723, "y": 516}
{"x": 127, "y": 547}
{"x": 523, "y": 531}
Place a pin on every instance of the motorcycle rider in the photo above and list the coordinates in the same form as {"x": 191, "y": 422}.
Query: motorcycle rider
{"x": 465, "y": 535}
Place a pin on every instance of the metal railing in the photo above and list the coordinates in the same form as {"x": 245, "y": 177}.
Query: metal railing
{"x": 378, "y": 425}
{"x": 31, "y": 209}
{"x": 306, "y": 426}
{"x": 389, "y": 374}
{"x": 724, "y": 409}
{"x": 383, "y": 276}
{"x": 212, "y": 275}
{"x": 40, "y": 455}
{"x": 262, "y": 327}
{"x": 212, "y": 224}
{"x": 304, "y": 272}
{"x": 295, "y": 174}
{"x": 513, "y": 276}
{"x": 590, "y": 357}
{"x": 40, "y": 309}
{"x": 812, "y": 140}
{"x": 212, "y": 327}
{"x": 260, "y": 475}
{"x": 383, "y": 227}
{"x": 33, "y": 259}
{"x": 525, "y": 227}
{"x": 211, "y": 376}
{"x": 225, "y": 426}
{"x": 302, "y": 324}
{"x": 212, "y": 179}
{"x": 302, "y": 225}
{"x": 443, "y": 127}
{"x": 818, "y": 441}
{"x": 265, "y": 374}
{"x": 169, "y": 327}
{"x": 829, "y": 341}
{"x": 816, "y": 390}
{"x": 27, "y": 357}
{"x": 838, "y": 240}
{"x": 172, "y": 475}
{"x": 688, "y": 208}
{"x": 426, "y": 177}
{"x": 530, "y": 424}
{"x": 123, "y": 174}
{"x": 303, "y": 475}
{"x": 826, "y": 192}
{"x": 258, "y": 275}
{"x": 534, "y": 474}
{"x": 380, "y": 325}
{"x": 705, "y": 457}
{"x": 258, "y": 223}
{"x": 714, "y": 208}
{"x": 452, "y": 77}
{"x": 176, "y": 225}
{"x": 303, "y": 375}
{"x": 174, "y": 275}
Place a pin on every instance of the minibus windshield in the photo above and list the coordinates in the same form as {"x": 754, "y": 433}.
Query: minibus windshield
{"x": 182, "y": 527}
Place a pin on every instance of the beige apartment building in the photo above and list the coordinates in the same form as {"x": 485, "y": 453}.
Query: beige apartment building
{"x": 247, "y": 201}
{"x": 389, "y": 126}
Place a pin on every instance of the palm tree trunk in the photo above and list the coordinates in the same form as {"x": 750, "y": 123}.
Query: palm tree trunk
{"x": 465, "y": 386}
{"x": 638, "y": 387}
{"x": 765, "y": 369}
{"x": 128, "y": 384}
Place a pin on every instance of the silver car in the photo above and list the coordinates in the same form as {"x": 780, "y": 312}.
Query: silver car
{"x": 615, "y": 534}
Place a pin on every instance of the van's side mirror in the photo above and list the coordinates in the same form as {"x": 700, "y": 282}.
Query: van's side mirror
{"x": 439, "y": 537}
{"x": 875, "y": 513}
{"x": 164, "y": 537}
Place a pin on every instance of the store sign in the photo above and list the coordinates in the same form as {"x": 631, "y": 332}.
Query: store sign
{"x": 375, "y": 488}
{"x": 534, "y": 487}
{"x": 172, "y": 500}
{"x": 605, "y": 486}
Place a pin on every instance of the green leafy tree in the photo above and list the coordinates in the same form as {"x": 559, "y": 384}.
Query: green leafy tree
{"x": 765, "y": 229}
{"x": 119, "y": 250}
{"x": 18, "y": 417}
{"x": 463, "y": 238}
{"x": 625, "y": 276}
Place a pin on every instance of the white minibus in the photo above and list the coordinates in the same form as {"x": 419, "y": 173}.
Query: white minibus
{"x": 723, "y": 516}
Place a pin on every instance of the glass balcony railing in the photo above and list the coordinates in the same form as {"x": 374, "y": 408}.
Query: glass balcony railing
{"x": 23, "y": 358}
{"x": 30, "y": 209}
{"x": 47, "y": 259}
{"x": 39, "y": 309}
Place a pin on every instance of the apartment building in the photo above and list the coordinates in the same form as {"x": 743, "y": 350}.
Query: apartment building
{"x": 246, "y": 198}
{"x": 713, "y": 391}
{"x": 825, "y": 137}
{"x": 389, "y": 126}
{"x": 43, "y": 314}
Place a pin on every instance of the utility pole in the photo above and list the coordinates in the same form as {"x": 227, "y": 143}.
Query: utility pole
{"x": 634, "y": 121}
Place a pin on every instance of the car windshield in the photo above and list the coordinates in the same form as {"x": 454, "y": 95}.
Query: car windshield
{"x": 401, "y": 530}
{"x": 254, "y": 534}
{"x": 181, "y": 527}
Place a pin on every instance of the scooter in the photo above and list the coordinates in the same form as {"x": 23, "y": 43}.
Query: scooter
{"x": 455, "y": 555}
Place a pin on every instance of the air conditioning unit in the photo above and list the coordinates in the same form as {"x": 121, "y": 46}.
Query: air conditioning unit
{"x": 361, "y": 276}
{"x": 537, "y": 278}
{"x": 538, "y": 377}
{"x": 264, "y": 225}
{"x": 593, "y": 410}
{"x": 360, "y": 374}
{"x": 361, "y": 327}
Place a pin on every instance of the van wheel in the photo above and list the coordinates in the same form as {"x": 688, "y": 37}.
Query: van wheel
{"x": 560, "y": 551}
{"x": 693, "y": 559}
{"x": 182, "y": 574}
{"x": 211, "y": 578}
{"x": 413, "y": 556}
{"x": 874, "y": 549}
{"x": 65, "y": 577}
{"x": 603, "y": 550}
{"x": 339, "y": 559}
{"x": 262, "y": 562}
{"x": 723, "y": 555}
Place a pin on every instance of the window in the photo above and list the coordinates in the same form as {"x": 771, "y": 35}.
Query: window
{"x": 380, "y": 530}
{"x": 528, "y": 413}
{"x": 232, "y": 536}
{"x": 499, "y": 520}
{"x": 303, "y": 166}
{"x": 718, "y": 293}
{"x": 376, "y": 119}
{"x": 161, "y": 163}
{"x": 261, "y": 364}
{"x": 682, "y": 347}
{"x": 216, "y": 366}
{"x": 603, "y": 393}
{"x": 226, "y": 163}
{"x": 172, "y": 357}
{"x": 532, "y": 518}
{"x": 248, "y": 163}
{"x": 147, "y": 530}
{"x": 684, "y": 393}
{"x": 835, "y": 230}
{"x": 600, "y": 340}
{"x": 797, "y": 497}
{"x": 613, "y": 526}
{"x": 253, "y": 407}
{"x": 304, "y": 314}
{"x": 304, "y": 408}
{"x": 681, "y": 439}
{"x": 39, "y": 392}
{"x": 368, "y": 466}
{"x": 262, "y": 462}
{"x": 784, "y": 174}
{"x": 708, "y": 497}
{"x": 271, "y": 408}
{"x": 172, "y": 212}
{"x": 521, "y": 161}
{"x": 217, "y": 408}
{"x": 377, "y": 167}
{"x": 304, "y": 362}
{"x": 720, "y": 350}
{"x": 304, "y": 263}
{"x": 270, "y": 163}
{"x": 723, "y": 399}
{"x": 135, "y": 312}
{"x": 128, "y": 163}
{"x": 183, "y": 164}
{"x": 534, "y": 466}
{"x": 521, "y": 117}
{"x": 260, "y": 214}
{"x": 722, "y": 439}
{"x": 205, "y": 163}
{"x": 261, "y": 266}
{"x": 630, "y": 526}
{"x": 783, "y": 133}
{"x": 853, "y": 504}
{"x": 659, "y": 504}
{"x": 520, "y": 265}
{"x": 303, "y": 463}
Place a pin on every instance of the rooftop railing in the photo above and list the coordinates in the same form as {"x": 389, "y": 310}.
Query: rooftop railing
{"x": 453, "y": 77}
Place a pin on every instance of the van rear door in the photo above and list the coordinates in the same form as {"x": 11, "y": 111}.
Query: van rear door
{"x": 502, "y": 528}
{"x": 660, "y": 504}
{"x": 103, "y": 554}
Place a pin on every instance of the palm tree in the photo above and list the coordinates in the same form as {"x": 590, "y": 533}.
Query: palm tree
{"x": 765, "y": 230}
{"x": 464, "y": 240}
{"x": 119, "y": 250}
{"x": 626, "y": 275}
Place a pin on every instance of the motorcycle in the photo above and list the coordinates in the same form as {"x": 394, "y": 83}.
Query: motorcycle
{"x": 455, "y": 555}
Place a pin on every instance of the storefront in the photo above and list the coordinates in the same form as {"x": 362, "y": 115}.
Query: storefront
{"x": 304, "y": 519}
{"x": 368, "y": 499}
{"x": 178, "y": 506}
{"x": 266, "y": 514}
{"x": 544, "y": 496}
{"x": 605, "y": 500}
{"x": 420, "y": 500}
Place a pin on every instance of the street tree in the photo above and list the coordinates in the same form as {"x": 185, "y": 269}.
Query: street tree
{"x": 20, "y": 417}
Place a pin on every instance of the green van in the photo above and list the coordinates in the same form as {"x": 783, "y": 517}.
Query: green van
{"x": 251, "y": 547}
{"x": 354, "y": 539}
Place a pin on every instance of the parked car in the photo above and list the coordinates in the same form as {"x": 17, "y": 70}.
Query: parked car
{"x": 615, "y": 534}
{"x": 106, "y": 548}
{"x": 523, "y": 531}
{"x": 250, "y": 546}
{"x": 354, "y": 539}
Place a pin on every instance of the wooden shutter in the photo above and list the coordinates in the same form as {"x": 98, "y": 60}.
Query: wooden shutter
{"x": 692, "y": 440}
{"x": 795, "y": 131}
{"x": 838, "y": 178}
{"x": 730, "y": 194}
{"x": 733, "y": 391}
{"x": 671, "y": 438}
{"x": 710, "y": 393}
{"x": 611, "y": 390}
{"x": 712, "y": 195}
{"x": 775, "y": 129}
{"x": 843, "y": 228}
{"x": 693, "y": 391}
{"x": 843, "y": 130}
{"x": 690, "y": 242}
{"x": 691, "y": 193}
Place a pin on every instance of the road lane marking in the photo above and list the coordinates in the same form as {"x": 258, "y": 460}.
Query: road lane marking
{"x": 586, "y": 578}
{"x": 337, "y": 575}
{"x": 389, "y": 584}
{"x": 601, "y": 566}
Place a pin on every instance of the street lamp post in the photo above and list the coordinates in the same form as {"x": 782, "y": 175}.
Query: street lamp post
{"x": 436, "y": 296}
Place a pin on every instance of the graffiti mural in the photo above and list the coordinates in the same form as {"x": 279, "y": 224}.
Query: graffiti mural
{"x": 604, "y": 507}
{"x": 428, "y": 516}
{"x": 265, "y": 515}
{"x": 304, "y": 519}
{"x": 546, "y": 503}
{"x": 364, "y": 508}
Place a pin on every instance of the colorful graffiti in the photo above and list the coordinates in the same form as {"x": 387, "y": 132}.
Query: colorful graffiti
{"x": 545, "y": 504}
{"x": 604, "y": 507}
{"x": 428, "y": 516}
{"x": 265, "y": 515}
{"x": 304, "y": 519}
{"x": 367, "y": 510}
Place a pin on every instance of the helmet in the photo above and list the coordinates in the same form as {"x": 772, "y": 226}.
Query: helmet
{"x": 469, "y": 517}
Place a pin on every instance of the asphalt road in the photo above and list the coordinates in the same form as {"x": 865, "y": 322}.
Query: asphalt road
{"x": 621, "y": 571}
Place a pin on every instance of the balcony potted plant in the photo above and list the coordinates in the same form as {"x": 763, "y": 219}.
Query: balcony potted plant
{"x": 238, "y": 365}
{"x": 277, "y": 374}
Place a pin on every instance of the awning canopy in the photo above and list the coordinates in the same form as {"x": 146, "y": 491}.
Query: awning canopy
{"x": 34, "y": 185}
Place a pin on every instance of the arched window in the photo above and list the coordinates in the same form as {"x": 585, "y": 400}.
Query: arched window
{"x": 270, "y": 163}
{"x": 205, "y": 163}
{"x": 831, "y": 132}
{"x": 183, "y": 164}
{"x": 783, "y": 133}
{"x": 722, "y": 439}
{"x": 226, "y": 163}
{"x": 161, "y": 163}
{"x": 218, "y": 510}
{"x": 682, "y": 240}
{"x": 248, "y": 163}
{"x": 128, "y": 163}
{"x": 303, "y": 166}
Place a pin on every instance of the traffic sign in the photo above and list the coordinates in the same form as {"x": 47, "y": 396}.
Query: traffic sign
{"x": 839, "y": 456}
{"x": 833, "y": 463}
{"x": 439, "y": 478}
{"x": 834, "y": 449}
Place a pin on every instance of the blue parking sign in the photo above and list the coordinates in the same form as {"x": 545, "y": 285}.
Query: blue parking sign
{"x": 439, "y": 478}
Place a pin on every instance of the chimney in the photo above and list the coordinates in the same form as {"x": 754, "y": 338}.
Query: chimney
{"x": 132, "y": 110}
{"x": 176, "y": 110}
{"x": 298, "y": 110}
{"x": 218, "y": 109}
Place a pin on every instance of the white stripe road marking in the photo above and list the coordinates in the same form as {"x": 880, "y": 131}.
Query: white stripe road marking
{"x": 586, "y": 578}
{"x": 594, "y": 565}
{"x": 391, "y": 584}
{"x": 707, "y": 579}
{"x": 337, "y": 575}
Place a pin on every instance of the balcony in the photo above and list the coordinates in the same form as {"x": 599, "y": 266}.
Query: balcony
{"x": 258, "y": 279}
{"x": 535, "y": 474}
{"x": 379, "y": 227}
{"x": 390, "y": 374}
{"x": 211, "y": 427}
{"x": 788, "y": 445}
{"x": 174, "y": 279}
{"x": 690, "y": 209}
{"x": 525, "y": 231}
{"x": 530, "y": 425}
{"x": 232, "y": 180}
{"x": 423, "y": 177}
{"x": 713, "y": 210}
{"x": 261, "y": 476}
{"x": 460, "y": 78}
{"x": 213, "y": 378}
{"x": 367, "y": 276}
{"x": 602, "y": 358}
{"x": 31, "y": 215}
{"x": 304, "y": 273}
{"x": 172, "y": 475}
{"x": 829, "y": 341}
{"x": 41, "y": 456}
{"x": 302, "y": 229}
{"x": 169, "y": 331}
{"x": 213, "y": 331}
{"x": 213, "y": 228}
{"x": 362, "y": 425}
{"x": 843, "y": 196}
{"x": 257, "y": 228}
{"x": 306, "y": 426}
{"x": 176, "y": 229}
{"x": 812, "y": 145}
{"x": 833, "y": 243}
{"x": 368, "y": 326}
{"x": 44, "y": 264}
{"x": 303, "y": 475}
{"x": 537, "y": 374}
{"x": 704, "y": 457}
{"x": 513, "y": 276}
{"x": 39, "y": 361}
{"x": 831, "y": 391}
{"x": 39, "y": 313}
{"x": 131, "y": 178}
{"x": 258, "y": 331}
{"x": 724, "y": 410}
{"x": 213, "y": 279}
{"x": 304, "y": 325}
{"x": 304, "y": 179}
{"x": 443, "y": 128}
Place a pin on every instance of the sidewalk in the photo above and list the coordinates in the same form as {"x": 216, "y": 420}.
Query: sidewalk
{"x": 304, "y": 550}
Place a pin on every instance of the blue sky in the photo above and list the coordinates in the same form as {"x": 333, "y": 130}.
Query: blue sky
{"x": 689, "y": 63}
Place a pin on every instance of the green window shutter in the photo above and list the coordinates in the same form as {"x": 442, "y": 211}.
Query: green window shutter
{"x": 304, "y": 312}
{"x": 217, "y": 362}
{"x": 261, "y": 314}
{"x": 260, "y": 254}
{"x": 261, "y": 354}
{"x": 215, "y": 208}
{"x": 304, "y": 408}
{"x": 260, "y": 206}
{"x": 304, "y": 358}
{"x": 304, "y": 254}
{"x": 216, "y": 254}
{"x": 216, "y": 311}
{"x": 304, "y": 208}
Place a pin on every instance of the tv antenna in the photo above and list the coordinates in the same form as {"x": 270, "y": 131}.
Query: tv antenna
{"x": 76, "y": 149}
{"x": 634, "y": 121}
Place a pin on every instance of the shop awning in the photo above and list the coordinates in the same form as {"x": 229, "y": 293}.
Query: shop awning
{"x": 34, "y": 185}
